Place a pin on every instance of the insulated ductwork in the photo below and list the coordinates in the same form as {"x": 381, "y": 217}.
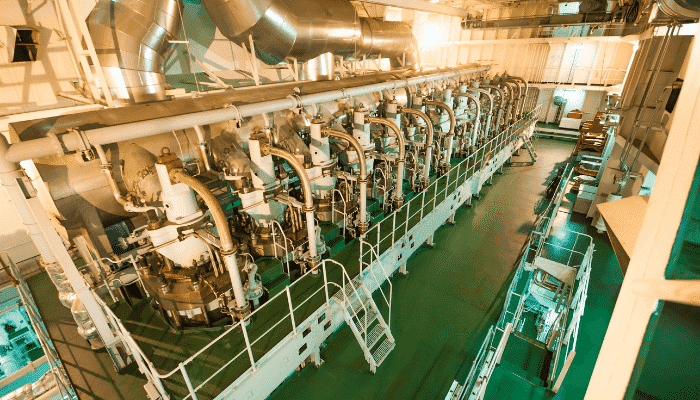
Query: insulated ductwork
{"x": 305, "y": 29}
{"x": 132, "y": 41}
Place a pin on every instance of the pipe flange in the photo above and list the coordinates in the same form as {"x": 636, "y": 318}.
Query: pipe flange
{"x": 241, "y": 313}
{"x": 308, "y": 209}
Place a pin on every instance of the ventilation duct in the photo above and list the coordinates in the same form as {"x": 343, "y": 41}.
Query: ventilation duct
{"x": 680, "y": 9}
{"x": 132, "y": 41}
{"x": 306, "y": 29}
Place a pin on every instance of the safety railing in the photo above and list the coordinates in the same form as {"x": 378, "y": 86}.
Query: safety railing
{"x": 409, "y": 215}
{"x": 63, "y": 383}
{"x": 276, "y": 225}
{"x": 345, "y": 209}
{"x": 378, "y": 282}
{"x": 387, "y": 233}
{"x": 236, "y": 333}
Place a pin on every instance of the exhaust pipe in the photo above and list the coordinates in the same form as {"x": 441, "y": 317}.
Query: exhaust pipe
{"x": 306, "y": 29}
{"x": 132, "y": 41}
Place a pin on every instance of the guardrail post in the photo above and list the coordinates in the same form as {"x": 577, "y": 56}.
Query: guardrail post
{"x": 393, "y": 228}
{"x": 325, "y": 283}
{"x": 291, "y": 308}
{"x": 187, "y": 381}
{"x": 247, "y": 345}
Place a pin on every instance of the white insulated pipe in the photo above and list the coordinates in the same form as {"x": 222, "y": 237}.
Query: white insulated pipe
{"x": 228, "y": 250}
{"x": 501, "y": 95}
{"x": 74, "y": 140}
{"x": 475, "y": 129}
{"x": 428, "y": 140}
{"x": 453, "y": 121}
{"x": 363, "y": 171}
{"x": 398, "y": 196}
{"x": 266, "y": 148}
{"x": 488, "y": 117}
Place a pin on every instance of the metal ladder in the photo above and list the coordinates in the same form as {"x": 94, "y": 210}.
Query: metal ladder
{"x": 366, "y": 322}
{"x": 530, "y": 148}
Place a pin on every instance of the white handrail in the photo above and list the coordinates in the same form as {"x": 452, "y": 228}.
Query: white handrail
{"x": 345, "y": 209}
{"x": 379, "y": 286}
{"x": 284, "y": 237}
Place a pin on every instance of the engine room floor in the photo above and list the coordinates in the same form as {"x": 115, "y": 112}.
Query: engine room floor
{"x": 440, "y": 311}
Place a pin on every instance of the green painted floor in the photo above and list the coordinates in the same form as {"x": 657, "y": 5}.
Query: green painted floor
{"x": 454, "y": 291}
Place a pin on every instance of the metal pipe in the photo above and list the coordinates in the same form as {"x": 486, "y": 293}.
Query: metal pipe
{"x": 428, "y": 140}
{"x": 506, "y": 86}
{"x": 488, "y": 118}
{"x": 453, "y": 122}
{"x": 475, "y": 129}
{"x": 106, "y": 167}
{"x": 516, "y": 98}
{"x": 265, "y": 149}
{"x": 501, "y": 95}
{"x": 306, "y": 29}
{"x": 73, "y": 140}
{"x": 363, "y": 172}
{"x": 202, "y": 143}
{"x": 524, "y": 94}
{"x": 398, "y": 195}
{"x": 132, "y": 39}
{"x": 228, "y": 249}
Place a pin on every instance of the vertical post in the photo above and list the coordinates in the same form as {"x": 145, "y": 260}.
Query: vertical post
{"x": 564, "y": 370}
{"x": 379, "y": 228}
{"x": 422, "y": 203}
{"x": 291, "y": 308}
{"x": 393, "y": 229}
{"x": 187, "y": 381}
{"x": 325, "y": 281}
{"x": 247, "y": 345}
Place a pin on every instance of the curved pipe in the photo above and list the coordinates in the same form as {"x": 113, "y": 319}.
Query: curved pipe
{"x": 475, "y": 130}
{"x": 524, "y": 93}
{"x": 428, "y": 139}
{"x": 305, "y": 29}
{"x": 453, "y": 122}
{"x": 265, "y": 149}
{"x": 228, "y": 249}
{"x": 518, "y": 98}
{"x": 488, "y": 118}
{"x": 363, "y": 171}
{"x": 132, "y": 39}
{"x": 501, "y": 95}
{"x": 398, "y": 196}
{"x": 511, "y": 99}
{"x": 107, "y": 170}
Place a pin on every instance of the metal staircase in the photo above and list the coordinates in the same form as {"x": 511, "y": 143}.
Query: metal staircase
{"x": 369, "y": 327}
{"x": 530, "y": 148}
{"x": 362, "y": 315}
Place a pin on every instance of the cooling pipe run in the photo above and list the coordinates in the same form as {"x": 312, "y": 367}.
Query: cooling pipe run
{"x": 306, "y": 29}
{"x": 453, "y": 122}
{"x": 132, "y": 41}
{"x": 475, "y": 129}
{"x": 428, "y": 141}
{"x": 502, "y": 100}
{"x": 488, "y": 118}
{"x": 401, "y": 141}
{"x": 362, "y": 225}
{"x": 228, "y": 249}
{"x": 265, "y": 149}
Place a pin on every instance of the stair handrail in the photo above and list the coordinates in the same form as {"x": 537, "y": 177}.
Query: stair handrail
{"x": 345, "y": 296}
{"x": 379, "y": 286}
{"x": 345, "y": 209}
{"x": 284, "y": 237}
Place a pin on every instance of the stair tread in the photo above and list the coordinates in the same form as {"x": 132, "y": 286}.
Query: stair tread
{"x": 374, "y": 335}
{"x": 361, "y": 322}
{"x": 383, "y": 351}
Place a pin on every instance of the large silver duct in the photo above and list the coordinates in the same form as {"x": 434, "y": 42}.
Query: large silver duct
{"x": 132, "y": 41}
{"x": 305, "y": 29}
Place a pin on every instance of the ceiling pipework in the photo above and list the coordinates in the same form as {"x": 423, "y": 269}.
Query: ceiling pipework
{"x": 306, "y": 29}
{"x": 132, "y": 41}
